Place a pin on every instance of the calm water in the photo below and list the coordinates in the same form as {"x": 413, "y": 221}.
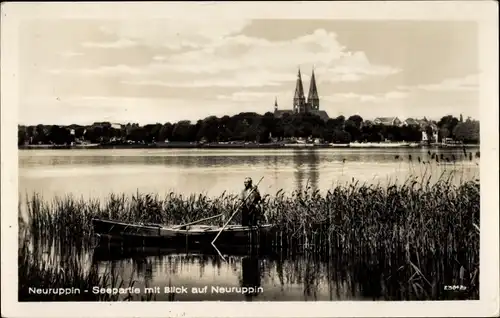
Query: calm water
{"x": 272, "y": 277}
{"x": 97, "y": 173}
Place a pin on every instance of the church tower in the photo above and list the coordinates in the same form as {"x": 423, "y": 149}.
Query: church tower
{"x": 299, "y": 100}
{"x": 312, "y": 97}
{"x": 275, "y": 103}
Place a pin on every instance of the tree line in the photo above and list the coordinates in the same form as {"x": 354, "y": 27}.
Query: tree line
{"x": 249, "y": 127}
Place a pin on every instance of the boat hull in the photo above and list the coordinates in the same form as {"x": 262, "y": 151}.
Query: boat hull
{"x": 156, "y": 235}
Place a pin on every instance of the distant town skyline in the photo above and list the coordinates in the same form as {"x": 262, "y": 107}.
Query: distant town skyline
{"x": 148, "y": 71}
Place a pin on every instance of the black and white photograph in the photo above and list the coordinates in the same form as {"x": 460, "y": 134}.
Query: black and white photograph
{"x": 250, "y": 155}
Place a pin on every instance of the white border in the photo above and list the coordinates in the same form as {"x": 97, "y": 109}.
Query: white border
{"x": 484, "y": 12}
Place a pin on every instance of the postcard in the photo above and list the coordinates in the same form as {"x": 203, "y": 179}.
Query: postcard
{"x": 250, "y": 159}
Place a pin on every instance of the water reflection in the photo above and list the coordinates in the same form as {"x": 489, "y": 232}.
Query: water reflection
{"x": 198, "y": 157}
{"x": 306, "y": 169}
{"x": 272, "y": 276}
{"x": 251, "y": 276}
{"x": 268, "y": 275}
{"x": 96, "y": 173}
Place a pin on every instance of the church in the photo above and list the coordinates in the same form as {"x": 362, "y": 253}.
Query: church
{"x": 300, "y": 104}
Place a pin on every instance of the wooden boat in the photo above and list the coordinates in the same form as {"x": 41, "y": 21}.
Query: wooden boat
{"x": 157, "y": 234}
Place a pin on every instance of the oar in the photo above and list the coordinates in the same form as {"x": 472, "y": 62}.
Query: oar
{"x": 194, "y": 222}
{"x": 253, "y": 189}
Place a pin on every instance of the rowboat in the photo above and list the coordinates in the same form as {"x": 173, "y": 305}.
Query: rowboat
{"x": 159, "y": 235}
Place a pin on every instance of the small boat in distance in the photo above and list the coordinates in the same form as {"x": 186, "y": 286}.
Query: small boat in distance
{"x": 160, "y": 235}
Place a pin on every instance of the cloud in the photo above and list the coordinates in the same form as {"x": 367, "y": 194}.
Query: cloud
{"x": 89, "y": 109}
{"x": 241, "y": 53}
{"x": 224, "y": 59}
{"x": 205, "y": 68}
{"x": 250, "y": 78}
{"x": 395, "y": 95}
{"x": 69, "y": 54}
{"x": 367, "y": 98}
{"x": 187, "y": 31}
{"x": 466, "y": 83}
{"x": 264, "y": 100}
{"x": 243, "y": 96}
{"x": 159, "y": 58}
{"x": 470, "y": 82}
{"x": 127, "y": 43}
{"x": 204, "y": 83}
{"x": 116, "y": 70}
{"x": 118, "y": 44}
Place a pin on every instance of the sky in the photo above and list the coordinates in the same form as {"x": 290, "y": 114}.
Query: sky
{"x": 167, "y": 70}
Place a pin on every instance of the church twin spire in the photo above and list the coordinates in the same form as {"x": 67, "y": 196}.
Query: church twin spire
{"x": 299, "y": 89}
{"x": 313, "y": 97}
{"x": 313, "y": 90}
{"x": 300, "y": 105}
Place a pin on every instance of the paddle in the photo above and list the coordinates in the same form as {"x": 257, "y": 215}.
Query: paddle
{"x": 223, "y": 227}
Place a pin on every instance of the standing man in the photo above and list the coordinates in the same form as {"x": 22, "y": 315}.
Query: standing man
{"x": 250, "y": 197}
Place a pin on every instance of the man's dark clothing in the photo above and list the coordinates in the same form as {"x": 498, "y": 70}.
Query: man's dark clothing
{"x": 249, "y": 209}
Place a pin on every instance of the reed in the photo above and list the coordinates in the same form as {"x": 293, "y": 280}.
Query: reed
{"x": 414, "y": 212}
{"x": 426, "y": 233}
{"x": 41, "y": 269}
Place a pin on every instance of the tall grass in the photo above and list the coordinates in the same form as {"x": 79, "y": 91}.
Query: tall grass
{"x": 40, "y": 268}
{"x": 414, "y": 212}
{"x": 426, "y": 234}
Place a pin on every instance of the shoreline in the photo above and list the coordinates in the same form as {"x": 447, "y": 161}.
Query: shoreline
{"x": 244, "y": 146}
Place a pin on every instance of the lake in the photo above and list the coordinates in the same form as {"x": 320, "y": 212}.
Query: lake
{"x": 273, "y": 276}
{"x": 96, "y": 173}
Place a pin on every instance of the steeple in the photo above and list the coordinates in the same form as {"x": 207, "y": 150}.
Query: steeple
{"x": 299, "y": 100}
{"x": 275, "y": 103}
{"x": 313, "y": 97}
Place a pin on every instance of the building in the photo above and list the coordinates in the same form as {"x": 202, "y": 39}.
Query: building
{"x": 301, "y": 105}
{"x": 410, "y": 122}
{"x": 424, "y": 124}
{"x": 387, "y": 121}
